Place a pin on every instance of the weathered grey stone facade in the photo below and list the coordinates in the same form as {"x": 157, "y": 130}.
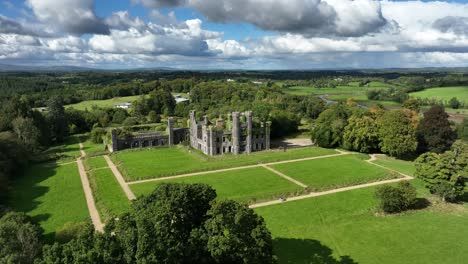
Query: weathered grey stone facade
{"x": 231, "y": 136}
{"x": 239, "y": 137}
{"x": 172, "y": 136}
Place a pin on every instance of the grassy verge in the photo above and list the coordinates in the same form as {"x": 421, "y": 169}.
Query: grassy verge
{"x": 51, "y": 194}
{"x": 406, "y": 167}
{"x": 159, "y": 162}
{"x": 109, "y": 196}
{"x": 245, "y": 185}
{"x": 334, "y": 172}
{"x": 323, "y": 229}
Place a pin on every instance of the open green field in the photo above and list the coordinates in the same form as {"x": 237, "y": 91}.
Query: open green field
{"x": 93, "y": 149}
{"x": 109, "y": 103}
{"x": 334, "y": 172}
{"x": 245, "y": 185}
{"x": 444, "y": 93}
{"x": 321, "y": 229}
{"x": 51, "y": 194}
{"x": 108, "y": 195}
{"x": 158, "y": 162}
{"x": 403, "y": 166}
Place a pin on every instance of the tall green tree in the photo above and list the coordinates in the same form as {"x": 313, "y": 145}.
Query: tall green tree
{"x": 27, "y": 132}
{"x": 20, "y": 239}
{"x": 397, "y": 133}
{"x": 445, "y": 174}
{"x": 57, "y": 119}
{"x": 236, "y": 234}
{"x": 434, "y": 132}
{"x": 329, "y": 127}
{"x": 361, "y": 134}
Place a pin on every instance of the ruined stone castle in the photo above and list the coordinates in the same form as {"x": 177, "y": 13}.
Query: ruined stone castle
{"x": 239, "y": 133}
{"x": 229, "y": 136}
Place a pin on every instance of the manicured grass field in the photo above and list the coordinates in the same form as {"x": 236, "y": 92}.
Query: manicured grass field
{"x": 93, "y": 149}
{"x": 403, "y": 166}
{"x": 158, "y": 162}
{"x": 245, "y": 185}
{"x": 334, "y": 172}
{"x": 444, "y": 93}
{"x": 109, "y": 196}
{"x": 52, "y": 195}
{"x": 321, "y": 229}
{"x": 103, "y": 103}
{"x": 97, "y": 162}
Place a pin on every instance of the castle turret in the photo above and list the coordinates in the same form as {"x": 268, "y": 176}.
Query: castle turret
{"x": 235, "y": 133}
{"x": 115, "y": 143}
{"x": 170, "y": 130}
{"x": 248, "y": 147}
{"x": 267, "y": 135}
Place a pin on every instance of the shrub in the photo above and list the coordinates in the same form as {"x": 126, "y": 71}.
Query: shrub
{"x": 69, "y": 231}
{"x": 394, "y": 199}
{"x": 97, "y": 134}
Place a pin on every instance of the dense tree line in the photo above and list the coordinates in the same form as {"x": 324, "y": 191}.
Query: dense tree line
{"x": 176, "y": 223}
{"x": 399, "y": 133}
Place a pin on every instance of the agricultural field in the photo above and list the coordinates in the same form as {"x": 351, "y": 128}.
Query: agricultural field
{"x": 109, "y": 103}
{"x": 244, "y": 185}
{"x": 334, "y": 172}
{"x": 345, "y": 228}
{"x": 444, "y": 93}
{"x": 52, "y": 194}
{"x": 159, "y": 162}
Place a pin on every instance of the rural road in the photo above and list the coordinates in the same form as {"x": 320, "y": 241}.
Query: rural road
{"x": 93, "y": 212}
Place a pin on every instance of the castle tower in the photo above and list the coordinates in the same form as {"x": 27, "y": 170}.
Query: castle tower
{"x": 248, "y": 147}
{"x": 267, "y": 135}
{"x": 235, "y": 133}
{"x": 193, "y": 129}
{"x": 115, "y": 143}
{"x": 170, "y": 130}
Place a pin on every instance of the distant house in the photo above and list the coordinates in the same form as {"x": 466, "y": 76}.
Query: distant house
{"x": 179, "y": 99}
{"x": 257, "y": 82}
{"x": 230, "y": 80}
{"x": 124, "y": 106}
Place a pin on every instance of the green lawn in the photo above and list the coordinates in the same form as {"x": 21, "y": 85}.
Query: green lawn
{"x": 109, "y": 196}
{"x": 334, "y": 172}
{"x": 96, "y": 162}
{"x": 93, "y": 149}
{"x": 103, "y": 103}
{"x": 444, "y": 93}
{"x": 319, "y": 230}
{"x": 52, "y": 195}
{"x": 245, "y": 185}
{"x": 403, "y": 166}
{"x": 158, "y": 162}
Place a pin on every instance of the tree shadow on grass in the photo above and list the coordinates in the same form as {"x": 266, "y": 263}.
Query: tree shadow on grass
{"x": 463, "y": 198}
{"x": 305, "y": 251}
{"x": 421, "y": 203}
{"x": 27, "y": 190}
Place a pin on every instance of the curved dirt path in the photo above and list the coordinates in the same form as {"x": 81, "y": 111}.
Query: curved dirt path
{"x": 341, "y": 153}
{"x": 120, "y": 179}
{"x": 316, "y": 194}
{"x": 360, "y": 186}
{"x": 93, "y": 212}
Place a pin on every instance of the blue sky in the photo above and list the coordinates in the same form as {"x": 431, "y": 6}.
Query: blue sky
{"x": 235, "y": 34}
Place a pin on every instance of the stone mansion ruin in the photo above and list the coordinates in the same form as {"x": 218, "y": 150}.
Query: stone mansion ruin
{"x": 240, "y": 133}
